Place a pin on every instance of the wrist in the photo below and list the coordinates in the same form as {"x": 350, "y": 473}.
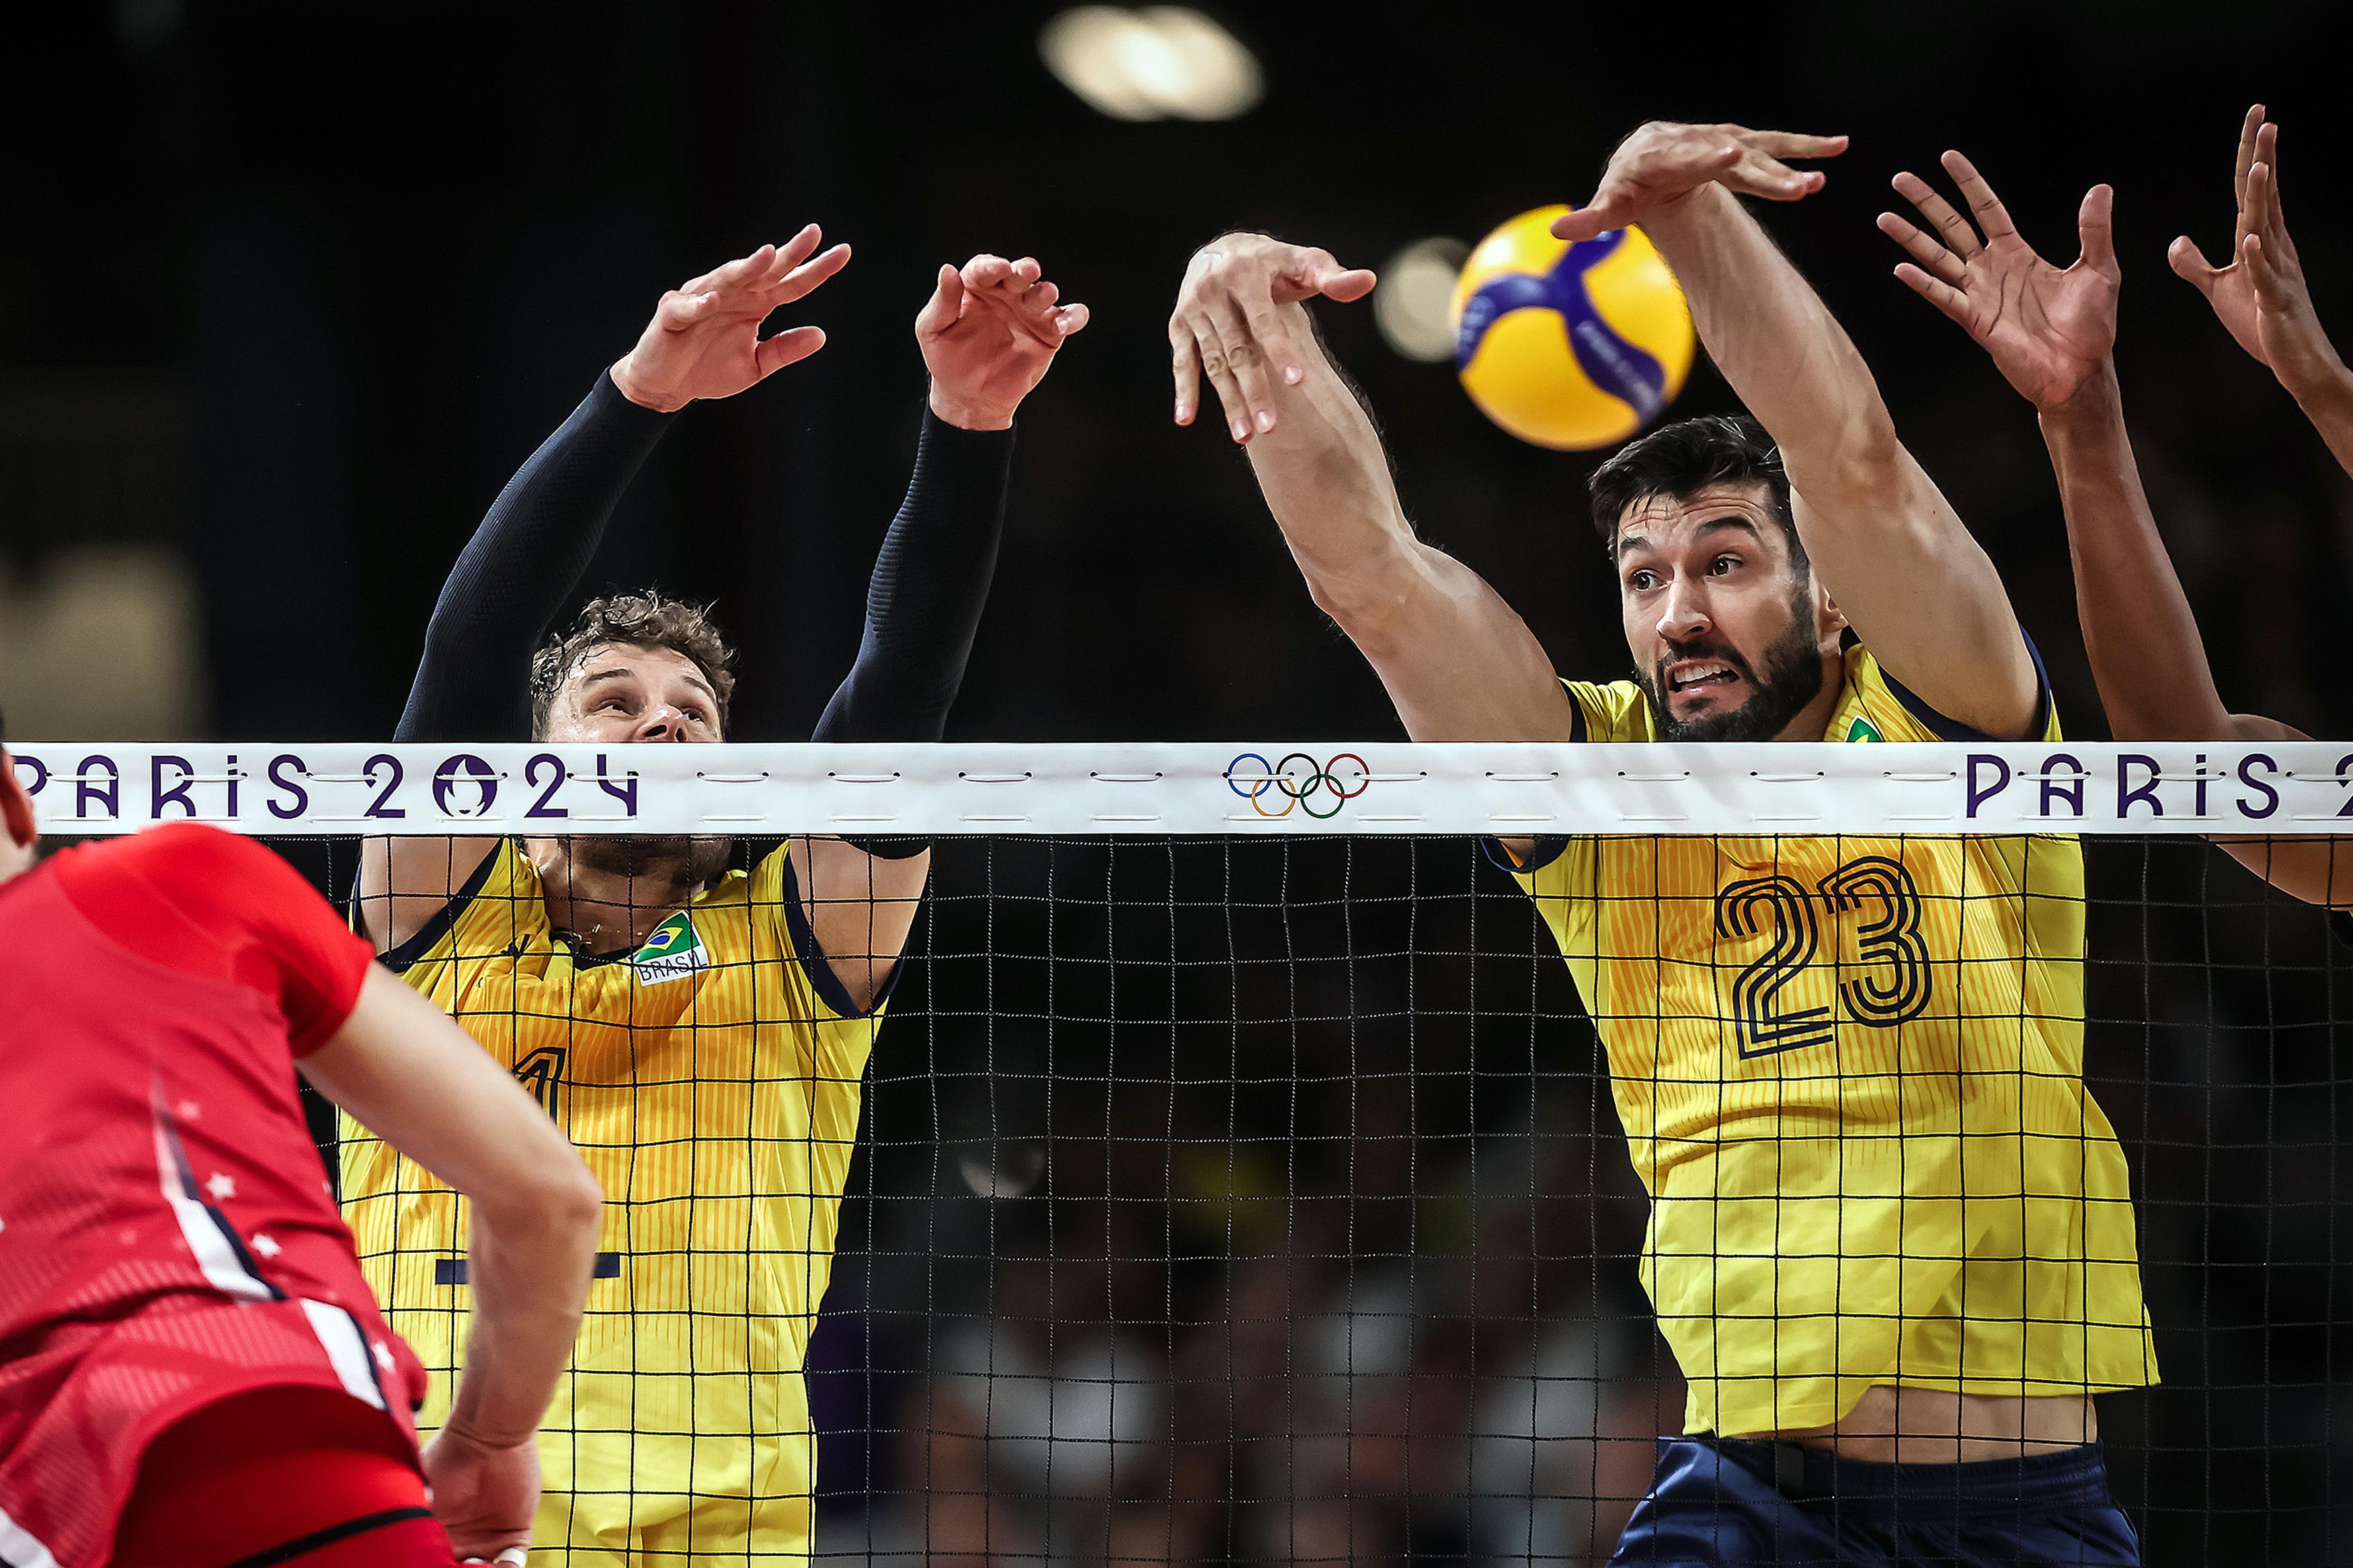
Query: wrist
{"x": 1666, "y": 219}
{"x": 465, "y": 1428}
{"x": 2095, "y": 405}
{"x": 2322, "y": 384}
{"x": 969, "y": 414}
{"x": 626, "y": 382}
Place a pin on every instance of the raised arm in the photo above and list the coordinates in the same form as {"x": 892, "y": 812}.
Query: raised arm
{"x": 1457, "y": 661}
{"x": 1912, "y": 581}
{"x": 525, "y": 561}
{"x": 988, "y": 335}
{"x": 2261, "y": 297}
{"x": 421, "y": 1083}
{"x": 2051, "y": 333}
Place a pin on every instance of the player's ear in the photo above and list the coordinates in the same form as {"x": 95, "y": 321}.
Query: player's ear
{"x": 1828, "y": 618}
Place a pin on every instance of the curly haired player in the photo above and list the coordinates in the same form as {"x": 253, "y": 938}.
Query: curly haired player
{"x": 701, "y": 1033}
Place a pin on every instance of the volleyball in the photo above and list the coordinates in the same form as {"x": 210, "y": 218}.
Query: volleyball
{"x": 1570, "y": 346}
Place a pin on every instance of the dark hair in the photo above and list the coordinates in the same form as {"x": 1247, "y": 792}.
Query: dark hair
{"x": 650, "y": 619}
{"x": 1682, "y": 460}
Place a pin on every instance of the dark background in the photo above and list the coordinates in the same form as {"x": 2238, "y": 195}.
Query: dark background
{"x": 290, "y": 297}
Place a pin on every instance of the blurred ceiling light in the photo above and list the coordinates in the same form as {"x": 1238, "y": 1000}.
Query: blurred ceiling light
{"x": 1414, "y": 302}
{"x": 1151, "y": 62}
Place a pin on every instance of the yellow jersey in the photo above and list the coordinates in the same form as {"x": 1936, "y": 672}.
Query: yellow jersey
{"x": 1851, "y": 1075}
{"x": 713, "y": 1090}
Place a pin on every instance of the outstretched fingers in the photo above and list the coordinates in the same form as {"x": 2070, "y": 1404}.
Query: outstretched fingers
{"x": 788, "y": 347}
{"x": 794, "y": 252}
{"x": 1185, "y": 368}
{"x": 2250, "y": 134}
{"x": 1992, "y": 217}
{"x": 1795, "y": 144}
{"x": 1248, "y": 358}
{"x": 803, "y": 279}
{"x": 1930, "y": 257}
{"x": 1219, "y": 369}
{"x": 1937, "y": 292}
{"x": 1756, "y": 174}
{"x": 1959, "y": 237}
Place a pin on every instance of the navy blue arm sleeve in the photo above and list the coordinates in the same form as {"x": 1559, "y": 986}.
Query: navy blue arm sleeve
{"x": 520, "y": 570}
{"x": 931, "y": 582}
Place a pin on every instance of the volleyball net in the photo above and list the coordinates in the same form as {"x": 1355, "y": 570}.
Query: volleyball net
{"x": 1237, "y": 1173}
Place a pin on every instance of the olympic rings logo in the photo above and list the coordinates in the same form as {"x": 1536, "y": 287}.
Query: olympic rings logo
{"x": 1299, "y": 781}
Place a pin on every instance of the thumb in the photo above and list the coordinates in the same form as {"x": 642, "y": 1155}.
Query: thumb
{"x": 2095, "y": 225}
{"x": 2189, "y": 264}
{"x": 1335, "y": 280}
{"x": 946, "y": 303}
{"x": 1346, "y": 283}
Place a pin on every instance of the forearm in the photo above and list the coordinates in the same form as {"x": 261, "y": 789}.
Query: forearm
{"x": 2146, "y": 656}
{"x": 931, "y": 583}
{"x": 1326, "y": 480}
{"x": 1785, "y": 355}
{"x": 2326, "y": 395}
{"x": 1456, "y": 661}
{"x": 529, "y": 1274}
{"x": 523, "y": 565}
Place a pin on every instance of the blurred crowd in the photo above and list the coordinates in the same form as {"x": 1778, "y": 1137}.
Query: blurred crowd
{"x": 1250, "y": 1223}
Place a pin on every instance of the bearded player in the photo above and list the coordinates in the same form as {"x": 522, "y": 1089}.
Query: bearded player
{"x": 701, "y": 1032}
{"x": 193, "y": 1373}
{"x": 2052, "y": 332}
{"x": 1890, "y": 1241}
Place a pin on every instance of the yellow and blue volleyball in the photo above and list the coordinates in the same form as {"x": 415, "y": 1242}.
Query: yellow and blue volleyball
{"x": 1570, "y": 346}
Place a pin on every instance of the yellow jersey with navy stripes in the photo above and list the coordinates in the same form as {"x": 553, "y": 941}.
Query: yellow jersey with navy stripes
{"x": 714, "y": 1088}
{"x": 1851, "y": 1074}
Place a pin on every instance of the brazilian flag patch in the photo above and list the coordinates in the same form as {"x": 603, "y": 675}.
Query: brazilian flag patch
{"x": 1861, "y": 730}
{"x": 673, "y": 951}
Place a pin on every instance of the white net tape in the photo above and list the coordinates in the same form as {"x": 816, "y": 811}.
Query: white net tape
{"x": 334, "y": 789}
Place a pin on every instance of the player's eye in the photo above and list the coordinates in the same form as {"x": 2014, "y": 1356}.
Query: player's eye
{"x": 1642, "y": 581}
{"x": 1721, "y": 566}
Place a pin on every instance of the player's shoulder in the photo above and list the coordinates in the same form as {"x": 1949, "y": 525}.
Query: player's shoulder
{"x": 487, "y": 906}
{"x": 1614, "y": 711}
{"x": 192, "y": 858}
{"x": 1877, "y": 706}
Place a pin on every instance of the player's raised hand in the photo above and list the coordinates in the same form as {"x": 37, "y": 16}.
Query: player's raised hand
{"x": 1226, "y": 325}
{"x": 2260, "y": 294}
{"x": 483, "y": 1494}
{"x": 1663, "y": 161}
{"x": 989, "y": 334}
{"x": 2048, "y": 329}
{"x": 704, "y": 340}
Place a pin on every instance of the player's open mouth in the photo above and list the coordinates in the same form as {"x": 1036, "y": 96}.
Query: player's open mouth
{"x": 1700, "y": 675}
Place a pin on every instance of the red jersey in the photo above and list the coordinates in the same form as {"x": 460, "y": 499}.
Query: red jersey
{"x": 167, "y": 1237}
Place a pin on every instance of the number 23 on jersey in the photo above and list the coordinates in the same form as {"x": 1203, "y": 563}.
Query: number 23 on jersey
{"x": 1890, "y": 983}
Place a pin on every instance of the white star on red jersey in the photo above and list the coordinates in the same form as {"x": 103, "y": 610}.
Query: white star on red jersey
{"x": 383, "y": 1356}
{"x": 189, "y": 1110}
{"x": 222, "y": 1186}
{"x": 265, "y": 1244}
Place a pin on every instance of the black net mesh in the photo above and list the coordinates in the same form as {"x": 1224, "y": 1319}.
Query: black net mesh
{"x": 1255, "y": 1201}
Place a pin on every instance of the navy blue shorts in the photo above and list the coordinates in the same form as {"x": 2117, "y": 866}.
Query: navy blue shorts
{"x": 1723, "y": 1503}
